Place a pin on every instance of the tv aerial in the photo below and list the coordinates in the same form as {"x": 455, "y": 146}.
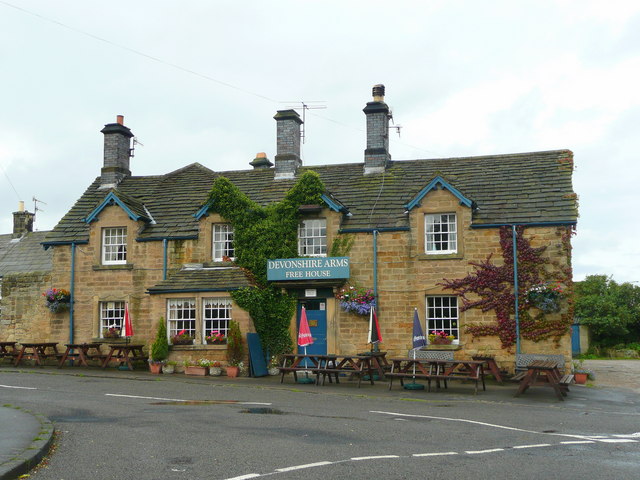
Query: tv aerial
{"x": 316, "y": 105}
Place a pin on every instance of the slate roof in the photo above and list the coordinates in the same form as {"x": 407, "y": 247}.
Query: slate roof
{"x": 24, "y": 255}
{"x": 522, "y": 188}
{"x": 215, "y": 279}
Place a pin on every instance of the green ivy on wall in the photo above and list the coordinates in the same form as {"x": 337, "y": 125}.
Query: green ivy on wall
{"x": 261, "y": 233}
{"x": 492, "y": 287}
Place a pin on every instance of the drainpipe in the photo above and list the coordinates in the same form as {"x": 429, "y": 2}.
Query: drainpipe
{"x": 515, "y": 286}
{"x": 375, "y": 275}
{"x": 72, "y": 291}
{"x": 164, "y": 259}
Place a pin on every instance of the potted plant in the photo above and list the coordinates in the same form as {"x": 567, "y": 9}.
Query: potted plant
{"x": 182, "y": 338}
{"x": 440, "y": 338}
{"x": 273, "y": 366}
{"x": 57, "y": 299}
{"x": 159, "y": 348}
{"x": 235, "y": 349}
{"x": 216, "y": 338}
{"x": 215, "y": 369}
{"x": 581, "y": 374}
{"x": 169, "y": 367}
{"x": 198, "y": 368}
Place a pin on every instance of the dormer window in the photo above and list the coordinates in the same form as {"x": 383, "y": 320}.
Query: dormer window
{"x": 312, "y": 238}
{"x": 441, "y": 233}
{"x": 114, "y": 246}
{"x": 223, "y": 242}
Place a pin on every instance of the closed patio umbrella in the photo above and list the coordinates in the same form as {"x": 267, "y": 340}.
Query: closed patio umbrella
{"x": 419, "y": 341}
{"x": 128, "y": 326}
{"x": 304, "y": 339}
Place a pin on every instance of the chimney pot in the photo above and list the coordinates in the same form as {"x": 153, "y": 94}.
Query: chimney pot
{"x": 21, "y": 206}
{"x": 261, "y": 161}
{"x": 378, "y": 93}
{"x": 120, "y": 119}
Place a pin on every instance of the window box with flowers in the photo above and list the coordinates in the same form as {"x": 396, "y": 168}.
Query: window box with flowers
{"x": 216, "y": 338}
{"x": 198, "y": 368}
{"x": 545, "y": 297}
{"x": 111, "y": 332}
{"x": 182, "y": 338}
{"x": 57, "y": 299}
{"x": 356, "y": 300}
{"x": 440, "y": 338}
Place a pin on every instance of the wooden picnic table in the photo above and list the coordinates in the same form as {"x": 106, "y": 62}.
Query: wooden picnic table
{"x": 491, "y": 366}
{"x": 8, "y": 350}
{"x": 544, "y": 373}
{"x": 438, "y": 370}
{"x": 379, "y": 362}
{"x": 124, "y": 353}
{"x": 38, "y": 351}
{"x": 331, "y": 366}
{"x": 81, "y": 353}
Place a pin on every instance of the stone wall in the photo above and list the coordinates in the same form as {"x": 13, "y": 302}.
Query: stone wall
{"x": 23, "y": 314}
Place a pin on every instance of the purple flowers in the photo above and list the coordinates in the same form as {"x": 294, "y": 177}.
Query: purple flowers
{"x": 356, "y": 300}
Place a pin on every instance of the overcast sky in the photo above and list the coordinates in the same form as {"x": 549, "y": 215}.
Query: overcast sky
{"x": 200, "y": 81}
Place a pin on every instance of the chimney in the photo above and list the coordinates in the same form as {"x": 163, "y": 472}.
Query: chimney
{"x": 261, "y": 161}
{"x": 376, "y": 156}
{"x": 117, "y": 152}
{"x": 22, "y": 221}
{"x": 288, "y": 144}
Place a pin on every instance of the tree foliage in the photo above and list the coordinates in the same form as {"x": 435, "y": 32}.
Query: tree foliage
{"x": 261, "y": 233}
{"x": 610, "y": 309}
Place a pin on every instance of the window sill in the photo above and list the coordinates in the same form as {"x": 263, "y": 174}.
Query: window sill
{"x": 126, "y": 266}
{"x": 443, "y": 256}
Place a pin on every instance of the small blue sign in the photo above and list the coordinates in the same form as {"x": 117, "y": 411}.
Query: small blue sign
{"x": 308, "y": 268}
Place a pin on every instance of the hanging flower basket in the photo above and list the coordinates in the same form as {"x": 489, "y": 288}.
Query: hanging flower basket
{"x": 545, "y": 297}
{"x": 356, "y": 300}
{"x": 57, "y": 300}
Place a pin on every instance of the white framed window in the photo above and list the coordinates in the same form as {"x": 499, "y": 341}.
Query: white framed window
{"x": 312, "y": 238}
{"x": 216, "y": 314}
{"x": 111, "y": 319}
{"x": 441, "y": 233}
{"x": 114, "y": 245}
{"x": 181, "y": 315}
{"x": 442, "y": 315}
{"x": 223, "y": 242}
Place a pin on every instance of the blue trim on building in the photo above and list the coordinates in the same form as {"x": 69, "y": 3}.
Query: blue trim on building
{"x": 203, "y": 210}
{"x": 110, "y": 199}
{"x": 336, "y": 207}
{"x": 440, "y": 182}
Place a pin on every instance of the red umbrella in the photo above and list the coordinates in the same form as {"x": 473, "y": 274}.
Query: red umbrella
{"x": 128, "y": 327}
{"x": 304, "y": 339}
{"x": 304, "y": 334}
{"x": 374, "y": 328}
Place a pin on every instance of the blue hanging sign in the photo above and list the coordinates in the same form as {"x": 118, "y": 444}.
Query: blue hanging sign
{"x": 309, "y": 268}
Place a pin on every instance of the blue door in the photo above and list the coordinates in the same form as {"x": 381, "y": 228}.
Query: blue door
{"x": 575, "y": 339}
{"x": 317, "y": 318}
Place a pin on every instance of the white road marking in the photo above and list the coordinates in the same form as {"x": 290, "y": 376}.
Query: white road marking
{"x": 300, "y": 467}
{"x": 491, "y": 450}
{"x": 533, "y": 446}
{"x": 374, "y": 457}
{"x": 146, "y": 398}
{"x": 618, "y": 440}
{"x": 230, "y": 402}
{"x": 248, "y": 475}
{"x": 437, "y": 454}
{"x": 20, "y": 388}
{"x": 577, "y": 442}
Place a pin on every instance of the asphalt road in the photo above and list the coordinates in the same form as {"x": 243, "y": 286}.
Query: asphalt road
{"x": 175, "y": 427}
